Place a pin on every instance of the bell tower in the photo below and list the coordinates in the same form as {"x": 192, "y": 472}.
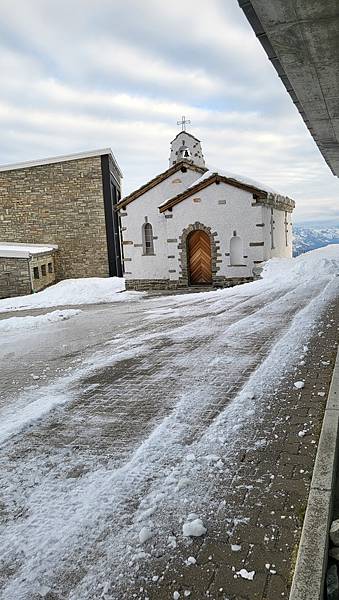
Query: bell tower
{"x": 186, "y": 147}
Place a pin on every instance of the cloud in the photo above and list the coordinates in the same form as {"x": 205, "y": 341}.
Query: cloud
{"x": 77, "y": 75}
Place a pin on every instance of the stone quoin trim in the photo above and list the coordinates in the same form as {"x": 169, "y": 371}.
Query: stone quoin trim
{"x": 183, "y": 255}
{"x": 275, "y": 201}
{"x": 256, "y": 244}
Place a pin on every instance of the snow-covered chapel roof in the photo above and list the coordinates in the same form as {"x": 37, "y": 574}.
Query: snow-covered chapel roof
{"x": 211, "y": 170}
{"x": 259, "y": 190}
{"x": 158, "y": 179}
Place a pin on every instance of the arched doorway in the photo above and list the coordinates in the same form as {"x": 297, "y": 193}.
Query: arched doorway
{"x": 199, "y": 258}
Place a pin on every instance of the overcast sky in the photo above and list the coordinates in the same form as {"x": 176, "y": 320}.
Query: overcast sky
{"x": 83, "y": 74}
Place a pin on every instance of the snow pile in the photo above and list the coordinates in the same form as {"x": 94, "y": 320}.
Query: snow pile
{"x": 20, "y": 323}
{"x": 320, "y": 262}
{"x": 72, "y": 292}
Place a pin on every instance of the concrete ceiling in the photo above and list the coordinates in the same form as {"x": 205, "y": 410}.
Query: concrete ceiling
{"x": 301, "y": 38}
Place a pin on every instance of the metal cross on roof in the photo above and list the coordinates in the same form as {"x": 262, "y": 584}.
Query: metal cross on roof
{"x": 183, "y": 123}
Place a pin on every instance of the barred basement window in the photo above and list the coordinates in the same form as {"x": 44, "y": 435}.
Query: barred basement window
{"x": 50, "y": 267}
{"x": 36, "y": 273}
{"x": 147, "y": 239}
{"x": 43, "y": 270}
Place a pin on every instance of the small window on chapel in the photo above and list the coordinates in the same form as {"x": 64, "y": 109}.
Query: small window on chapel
{"x": 50, "y": 267}
{"x": 148, "y": 239}
{"x": 43, "y": 270}
{"x": 36, "y": 272}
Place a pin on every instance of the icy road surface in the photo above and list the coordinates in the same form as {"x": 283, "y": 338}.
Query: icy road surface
{"x": 115, "y": 422}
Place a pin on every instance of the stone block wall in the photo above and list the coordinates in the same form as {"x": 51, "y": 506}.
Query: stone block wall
{"x": 59, "y": 203}
{"x": 44, "y": 265}
{"x": 14, "y": 277}
{"x": 179, "y": 284}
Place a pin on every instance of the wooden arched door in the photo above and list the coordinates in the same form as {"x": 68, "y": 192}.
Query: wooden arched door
{"x": 199, "y": 258}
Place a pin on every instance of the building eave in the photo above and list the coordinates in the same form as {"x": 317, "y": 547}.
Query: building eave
{"x": 214, "y": 178}
{"x": 158, "y": 179}
{"x": 185, "y": 133}
{"x": 301, "y": 41}
{"x": 62, "y": 158}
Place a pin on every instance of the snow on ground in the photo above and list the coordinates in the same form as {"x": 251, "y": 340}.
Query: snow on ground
{"x": 72, "y": 292}
{"x": 129, "y": 457}
{"x": 23, "y": 323}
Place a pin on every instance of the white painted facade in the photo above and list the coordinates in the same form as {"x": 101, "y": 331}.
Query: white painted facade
{"x": 244, "y": 230}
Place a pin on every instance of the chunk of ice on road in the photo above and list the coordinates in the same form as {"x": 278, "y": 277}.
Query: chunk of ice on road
{"x": 212, "y": 458}
{"x": 192, "y": 516}
{"x": 193, "y": 528}
{"x": 190, "y": 560}
{"x": 182, "y": 483}
{"x": 171, "y": 541}
{"x": 176, "y": 595}
{"x": 299, "y": 384}
{"x": 246, "y": 574}
{"x": 145, "y": 534}
{"x": 43, "y": 591}
{"x": 235, "y": 547}
{"x": 190, "y": 457}
{"x": 302, "y": 433}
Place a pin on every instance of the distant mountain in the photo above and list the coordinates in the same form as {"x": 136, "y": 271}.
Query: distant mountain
{"x": 306, "y": 238}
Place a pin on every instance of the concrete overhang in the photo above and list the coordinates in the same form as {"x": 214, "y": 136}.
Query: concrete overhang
{"x": 301, "y": 39}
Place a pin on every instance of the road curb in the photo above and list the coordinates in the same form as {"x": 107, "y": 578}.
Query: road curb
{"x": 309, "y": 573}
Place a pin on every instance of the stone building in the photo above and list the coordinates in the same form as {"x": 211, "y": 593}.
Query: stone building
{"x": 192, "y": 225}
{"x": 25, "y": 268}
{"x": 66, "y": 201}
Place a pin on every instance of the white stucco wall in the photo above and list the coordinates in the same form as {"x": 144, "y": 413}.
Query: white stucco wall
{"x": 237, "y": 214}
{"x": 222, "y": 207}
{"x": 138, "y": 266}
{"x": 280, "y": 248}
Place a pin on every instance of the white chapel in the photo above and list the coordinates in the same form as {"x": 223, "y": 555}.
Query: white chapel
{"x": 196, "y": 226}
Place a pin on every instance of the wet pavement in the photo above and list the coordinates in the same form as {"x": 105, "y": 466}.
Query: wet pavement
{"x": 131, "y": 416}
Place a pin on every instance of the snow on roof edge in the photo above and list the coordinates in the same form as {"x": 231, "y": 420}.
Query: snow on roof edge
{"x": 19, "y": 250}
{"x": 60, "y": 158}
{"x": 237, "y": 177}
